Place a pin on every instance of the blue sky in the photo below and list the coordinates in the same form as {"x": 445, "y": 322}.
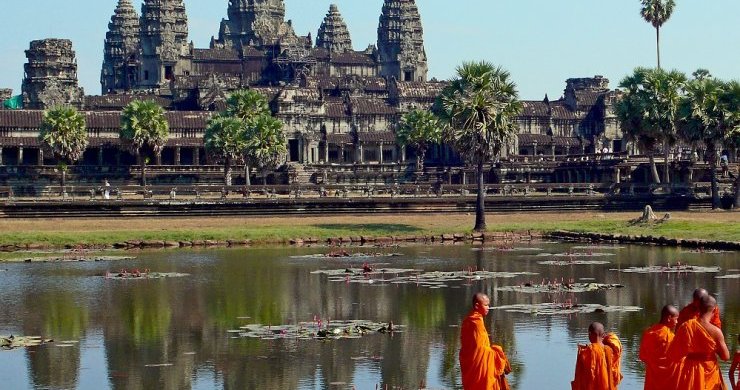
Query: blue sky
{"x": 541, "y": 42}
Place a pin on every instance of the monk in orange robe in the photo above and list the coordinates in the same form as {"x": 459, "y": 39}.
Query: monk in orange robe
{"x": 653, "y": 350}
{"x": 484, "y": 366}
{"x": 692, "y": 310}
{"x": 598, "y": 364}
{"x": 696, "y": 347}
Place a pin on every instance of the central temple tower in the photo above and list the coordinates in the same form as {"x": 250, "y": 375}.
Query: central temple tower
{"x": 401, "y": 42}
{"x": 256, "y": 23}
{"x": 165, "y": 51}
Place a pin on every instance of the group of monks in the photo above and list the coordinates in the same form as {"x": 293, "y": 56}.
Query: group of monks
{"x": 684, "y": 360}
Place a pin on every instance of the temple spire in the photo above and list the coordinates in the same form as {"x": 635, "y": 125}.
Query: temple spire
{"x": 401, "y": 41}
{"x": 164, "y": 41}
{"x": 333, "y": 33}
{"x": 121, "y": 49}
{"x": 255, "y": 22}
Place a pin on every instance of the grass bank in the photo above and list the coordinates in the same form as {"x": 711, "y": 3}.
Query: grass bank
{"x": 60, "y": 232}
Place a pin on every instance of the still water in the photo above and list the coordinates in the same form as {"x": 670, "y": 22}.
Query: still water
{"x": 173, "y": 333}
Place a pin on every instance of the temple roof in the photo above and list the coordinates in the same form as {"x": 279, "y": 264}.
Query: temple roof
{"x": 110, "y": 120}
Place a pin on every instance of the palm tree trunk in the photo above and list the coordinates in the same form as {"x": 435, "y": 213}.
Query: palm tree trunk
{"x": 142, "y": 162}
{"x": 264, "y": 178}
{"x": 713, "y": 174}
{"x": 247, "y": 179}
{"x": 657, "y": 43}
{"x": 737, "y": 189}
{"x": 653, "y": 168}
{"x": 667, "y": 172}
{"x": 64, "y": 181}
{"x": 227, "y": 171}
{"x": 480, "y": 207}
{"x": 420, "y": 159}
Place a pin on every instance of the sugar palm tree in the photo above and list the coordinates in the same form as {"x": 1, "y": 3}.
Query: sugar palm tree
{"x": 710, "y": 114}
{"x": 478, "y": 109}
{"x": 247, "y": 105}
{"x": 657, "y": 13}
{"x": 63, "y": 133}
{"x": 419, "y": 129}
{"x": 144, "y": 129}
{"x": 225, "y": 139}
{"x": 648, "y": 110}
{"x": 266, "y": 146}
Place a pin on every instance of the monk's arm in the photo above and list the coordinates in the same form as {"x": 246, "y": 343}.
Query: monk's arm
{"x": 722, "y": 351}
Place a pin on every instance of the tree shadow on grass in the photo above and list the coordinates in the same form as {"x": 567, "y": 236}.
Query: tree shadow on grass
{"x": 373, "y": 228}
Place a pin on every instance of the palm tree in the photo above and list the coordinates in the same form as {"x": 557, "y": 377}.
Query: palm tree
{"x": 657, "y": 12}
{"x": 419, "y": 129}
{"x": 647, "y": 111}
{"x": 478, "y": 109}
{"x": 144, "y": 129}
{"x": 710, "y": 114}
{"x": 63, "y": 133}
{"x": 247, "y": 105}
{"x": 225, "y": 139}
{"x": 266, "y": 146}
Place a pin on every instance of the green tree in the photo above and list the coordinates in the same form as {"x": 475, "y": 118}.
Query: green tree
{"x": 710, "y": 115}
{"x": 419, "y": 129}
{"x": 648, "y": 111}
{"x": 144, "y": 129}
{"x": 266, "y": 146}
{"x": 657, "y": 13}
{"x": 63, "y": 133}
{"x": 478, "y": 109}
{"x": 247, "y": 105}
{"x": 225, "y": 139}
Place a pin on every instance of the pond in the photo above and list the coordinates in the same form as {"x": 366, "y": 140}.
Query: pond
{"x": 193, "y": 330}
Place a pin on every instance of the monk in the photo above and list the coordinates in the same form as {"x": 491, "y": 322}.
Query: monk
{"x": 597, "y": 365}
{"x": 484, "y": 366}
{"x": 696, "y": 347}
{"x": 692, "y": 309}
{"x": 653, "y": 350}
{"x": 734, "y": 378}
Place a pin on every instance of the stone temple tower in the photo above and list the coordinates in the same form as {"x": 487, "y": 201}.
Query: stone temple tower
{"x": 258, "y": 23}
{"x": 51, "y": 75}
{"x": 401, "y": 41}
{"x": 121, "y": 50}
{"x": 165, "y": 52}
{"x": 333, "y": 33}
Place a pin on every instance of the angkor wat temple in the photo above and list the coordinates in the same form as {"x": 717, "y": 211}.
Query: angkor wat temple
{"x": 340, "y": 106}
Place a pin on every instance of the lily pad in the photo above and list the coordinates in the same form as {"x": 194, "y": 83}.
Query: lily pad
{"x": 597, "y": 247}
{"x": 76, "y": 258}
{"x": 582, "y": 254}
{"x": 145, "y": 275}
{"x": 508, "y": 249}
{"x": 565, "y": 309}
{"x": 432, "y": 279}
{"x": 14, "y": 342}
{"x": 333, "y": 330}
{"x": 680, "y": 268}
{"x": 732, "y": 276}
{"x": 573, "y": 262}
{"x": 342, "y": 254}
{"x": 557, "y": 288}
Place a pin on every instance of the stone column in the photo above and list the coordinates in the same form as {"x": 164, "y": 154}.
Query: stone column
{"x": 41, "y": 156}
{"x": 617, "y": 176}
{"x": 196, "y": 156}
{"x": 158, "y": 158}
{"x": 583, "y": 148}
{"x": 100, "y": 156}
{"x": 380, "y": 152}
{"x": 341, "y": 154}
{"x": 326, "y": 152}
{"x": 567, "y": 150}
{"x": 403, "y": 153}
{"x": 1, "y": 155}
{"x": 20, "y": 155}
{"x": 534, "y": 150}
{"x": 361, "y": 156}
{"x": 553, "y": 150}
{"x": 177, "y": 155}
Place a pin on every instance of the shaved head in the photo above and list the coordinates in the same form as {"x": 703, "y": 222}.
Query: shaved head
{"x": 479, "y": 298}
{"x": 480, "y": 303}
{"x": 596, "y": 328}
{"x": 669, "y": 316}
{"x": 700, "y": 293}
{"x": 708, "y": 303}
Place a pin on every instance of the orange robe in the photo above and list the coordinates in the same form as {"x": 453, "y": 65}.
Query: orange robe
{"x": 615, "y": 364}
{"x": 653, "y": 351}
{"x": 693, "y": 311}
{"x": 696, "y": 351}
{"x": 593, "y": 368}
{"x": 484, "y": 366}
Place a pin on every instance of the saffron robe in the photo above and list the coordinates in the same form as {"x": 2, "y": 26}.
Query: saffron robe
{"x": 659, "y": 370}
{"x": 696, "y": 351}
{"x": 484, "y": 366}
{"x": 595, "y": 368}
{"x": 693, "y": 311}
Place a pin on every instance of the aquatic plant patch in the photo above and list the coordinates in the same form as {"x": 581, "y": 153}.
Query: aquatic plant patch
{"x": 677, "y": 268}
{"x": 573, "y": 262}
{"x": 317, "y": 330}
{"x": 565, "y": 309}
{"x": 507, "y": 249}
{"x": 558, "y": 288}
{"x": 731, "y": 276}
{"x": 14, "y": 342}
{"x": 341, "y": 254}
{"x": 597, "y": 247}
{"x": 144, "y": 275}
{"x": 432, "y": 279}
{"x": 75, "y": 258}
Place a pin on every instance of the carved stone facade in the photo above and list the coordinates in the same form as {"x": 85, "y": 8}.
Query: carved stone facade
{"x": 51, "y": 75}
{"x": 333, "y": 33}
{"x": 258, "y": 23}
{"x": 401, "y": 41}
{"x": 165, "y": 52}
{"x": 121, "y": 50}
